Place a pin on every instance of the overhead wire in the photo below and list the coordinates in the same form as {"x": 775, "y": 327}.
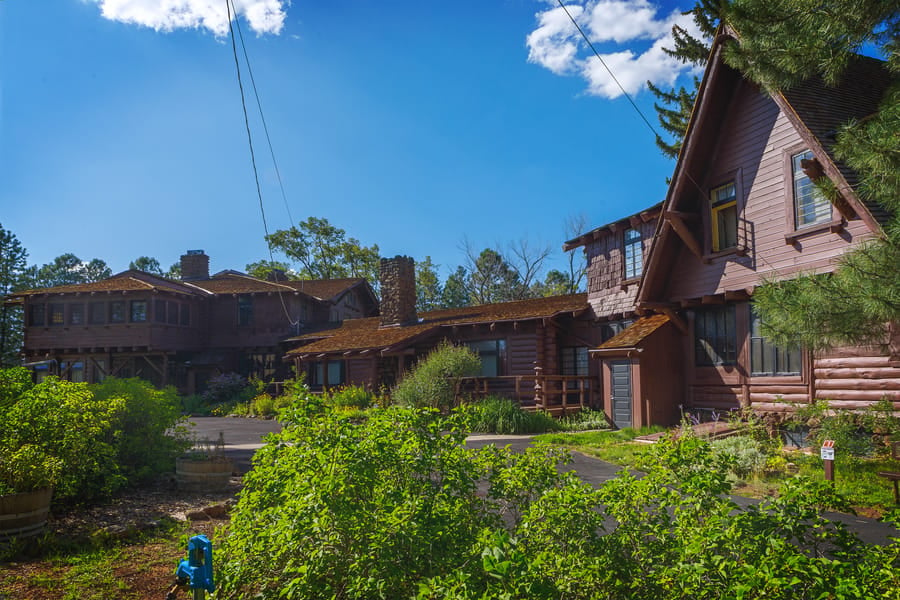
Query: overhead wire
{"x": 637, "y": 108}
{"x": 229, "y": 6}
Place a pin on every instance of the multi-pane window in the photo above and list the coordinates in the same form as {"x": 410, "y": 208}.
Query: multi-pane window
{"x": 634, "y": 258}
{"x": 57, "y": 314}
{"x": 613, "y": 328}
{"x": 117, "y": 311}
{"x": 97, "y": 314}
{"x": 184, "y": 316}
{"x": 715, "y": 341}
{"x": 810, "y": 205}
{"x": 245, "y": 309}
{"x": 37, "y": 314}
{"x": 138, "y": 311}
{"x": 723, "y": 212}
{"x": 492, "y": 354}
{"x": 575, "y": 360}
{"x": 768, "y": 359}
{"x": 76, "y": 314}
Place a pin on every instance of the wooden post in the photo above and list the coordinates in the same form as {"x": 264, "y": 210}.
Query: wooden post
{"x": 539, "y": 386}
{"x": 518, "y": 389}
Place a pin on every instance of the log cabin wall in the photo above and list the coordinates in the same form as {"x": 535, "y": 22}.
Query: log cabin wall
{"x": 856, "y": 378}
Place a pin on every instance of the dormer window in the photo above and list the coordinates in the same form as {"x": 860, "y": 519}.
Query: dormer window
{"x": 634, "y": 259}
{"x": 723, "y": 212}
{"x": 810, "y": 205}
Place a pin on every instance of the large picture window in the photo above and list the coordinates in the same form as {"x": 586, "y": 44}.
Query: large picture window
{"x": 327, "y": 373}
{"x": 767, "y": 359}
{"x": 76, "y": 314}
{"x": 715, "y": 341}
{"x": 574, "y": 360}
{"x": 810, "y": 205}
{"x": 138, "y": 311}
{"x": 492, "y": 354}
{"x": 117, "y": 311}
{"x": 723, "y": 212}
{"x": 57, "y": 314}
{"x": 634, "y": 259}
{"x": 37, "y": 314}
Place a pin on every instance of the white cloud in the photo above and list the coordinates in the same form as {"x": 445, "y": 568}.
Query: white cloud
{"x": 628, "y": 24}
{"x": 263, "y": 16}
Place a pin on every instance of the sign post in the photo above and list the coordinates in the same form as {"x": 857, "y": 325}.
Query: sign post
{"x": 828, "y": 458}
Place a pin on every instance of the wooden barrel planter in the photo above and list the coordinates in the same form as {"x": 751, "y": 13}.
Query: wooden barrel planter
{"x": 24, "y": 515}
{"x": 211, "y": 475}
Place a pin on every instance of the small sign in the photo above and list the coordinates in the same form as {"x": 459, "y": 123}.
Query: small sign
{"x": 828, "y": 450}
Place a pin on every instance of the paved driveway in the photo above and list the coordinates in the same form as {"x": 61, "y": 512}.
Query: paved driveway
{"x": 244, "y": 436}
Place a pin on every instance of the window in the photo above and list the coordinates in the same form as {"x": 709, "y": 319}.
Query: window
{"x": 117, "y": 311}
{"x": 37, "y": 313}
{"x": 159, "y": 311}
{"x": 634, "y": 258}
{"x": 245, "y": 309}
{"x": 810, "y": 205}
{"x": 57, "y": 314}
{"x": 723, "y": 212}
{"x": 492, "y": 354}
{"x": 172, "y": 318}
{"x": 767, "y": 359}
{"x": 574, "y": 360}
{"x": 714, "y": 336}
{"x": 613, "y": 328}
{"x": 76, "y": 314}
{"x": 97, "y": 314}
{"x": 334, "y": 370}
{"x": 185, "y": 315}
{"x": 138, "y": 311}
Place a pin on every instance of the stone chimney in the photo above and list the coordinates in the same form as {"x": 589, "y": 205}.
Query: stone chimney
{"x": 398, "y": 291}
{"x": 194, "y": 265}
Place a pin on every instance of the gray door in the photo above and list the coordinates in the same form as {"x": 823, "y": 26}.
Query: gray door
{"x": 621, "y": 392}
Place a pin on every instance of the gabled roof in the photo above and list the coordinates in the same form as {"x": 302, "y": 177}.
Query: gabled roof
{"x": 324, "y": 289}
{"x": 814, "y": 109}
{"x": 126, "y": 281}
{"x": 642, "y": 216}
{"x": 360, "y": 335}
{"x": 634, "y": 334}
{"x": 234, "y": 282}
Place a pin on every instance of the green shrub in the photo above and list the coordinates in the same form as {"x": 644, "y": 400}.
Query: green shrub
{"x": 193, "y": 405}
{"x": 855, "y": 433}
{"x": 501, "y": 415}
{"x": 262, "y": 406}
{"x": 149, "y": 431}
{"x": 67, "y": 424}
{"x": 396, "y": 506}
{"x": 585, "y": 420}
{"x": 350, "y": 396}
{"x": 432, "y": 383}
{"x": 13, "y": 383}
{"x": 748, "y": 456}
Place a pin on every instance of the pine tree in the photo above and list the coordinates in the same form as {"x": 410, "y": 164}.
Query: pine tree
{"x": 12, "y": 270}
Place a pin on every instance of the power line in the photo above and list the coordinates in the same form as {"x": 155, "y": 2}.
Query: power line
{"x": 605, "y": 66}
{"x": 262, "y": 118}
{"x": 237, "y": 66}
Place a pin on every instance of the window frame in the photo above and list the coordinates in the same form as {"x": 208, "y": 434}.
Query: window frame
{"x": 114, "y": 315}
{"x": 499, "y": 351}
{"x": 56, "y": 314}
{"x": 633, "y": 266}
{"x": 245, "y": 310}
{"x": 141, "y": 317}
{"x": 76, "y": 314}
{"x": 723, "y": 350}
{"x": 574, "y": 361}
{"x": 97, "y": 313}
{"x": 794, "y": 175}
{"x": 37, "y": 315}
{"x": 779, "y": 355}
{"x": 716, "y": 208}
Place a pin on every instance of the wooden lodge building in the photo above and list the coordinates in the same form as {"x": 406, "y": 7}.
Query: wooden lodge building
{"x": 534, "y": 351}
{"x": 741, "y": 208}
{"x": 180, "y": 333}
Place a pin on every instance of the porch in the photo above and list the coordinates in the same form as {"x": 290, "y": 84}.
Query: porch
{"x": 558, "y": 395}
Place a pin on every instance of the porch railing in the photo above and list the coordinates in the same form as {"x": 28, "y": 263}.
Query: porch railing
{"x": 556, "y": 394}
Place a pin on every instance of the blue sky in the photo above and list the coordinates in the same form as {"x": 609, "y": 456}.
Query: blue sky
{"x": 413, "y": 125}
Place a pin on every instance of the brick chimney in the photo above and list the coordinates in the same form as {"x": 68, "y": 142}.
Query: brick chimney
{"x": 194, "y": 265}
{"x": 398, "y": 291}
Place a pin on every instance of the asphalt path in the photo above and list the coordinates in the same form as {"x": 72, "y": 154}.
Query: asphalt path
{"x": 244, "y": 436}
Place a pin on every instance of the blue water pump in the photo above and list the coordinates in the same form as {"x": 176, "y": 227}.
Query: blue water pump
{"x": 197, "y": 568}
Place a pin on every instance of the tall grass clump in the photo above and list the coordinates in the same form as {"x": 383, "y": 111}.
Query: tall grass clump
{"x": 501, "y": 415}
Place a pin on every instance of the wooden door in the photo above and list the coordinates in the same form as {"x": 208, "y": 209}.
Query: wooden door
{"x": 620, "y": 389}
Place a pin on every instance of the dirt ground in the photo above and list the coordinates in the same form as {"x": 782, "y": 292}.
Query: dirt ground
{"x": 138, "y": 539}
